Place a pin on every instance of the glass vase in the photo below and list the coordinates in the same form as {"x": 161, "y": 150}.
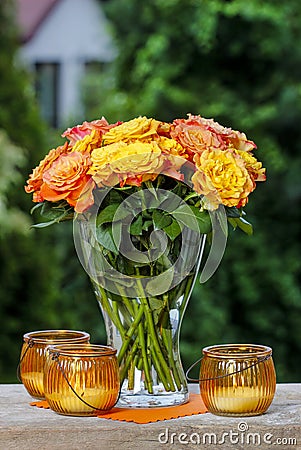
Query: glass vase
{"x": 145, "y": 330}
{"x": 143, "y": 264}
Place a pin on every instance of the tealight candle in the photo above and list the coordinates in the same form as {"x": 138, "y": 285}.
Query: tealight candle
{"x": 32, "y": 359}
{"x": 237, "y": 379}
{"x": 81, "y": 379}
{"x": 238, "y": 399}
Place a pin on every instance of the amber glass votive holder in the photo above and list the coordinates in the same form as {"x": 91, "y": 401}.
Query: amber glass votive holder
{"x": 81, "y": 379}
{"x": 237, "y": 379}
{"x": 32, "y": 359}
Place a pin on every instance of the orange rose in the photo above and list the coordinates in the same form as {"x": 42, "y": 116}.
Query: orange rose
{"x": 35, "y": 180}
{"x": 226, "y": 136}
{"x": 67, "y": 179}
{"x": 197, "y": 134}
{"x": 194, "y": 137}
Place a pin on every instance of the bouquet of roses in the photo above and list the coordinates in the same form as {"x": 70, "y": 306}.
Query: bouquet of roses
{"x": 143, "y": 182}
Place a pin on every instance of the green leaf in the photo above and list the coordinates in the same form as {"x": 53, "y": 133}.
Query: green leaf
{"x": 163, "y": 263}
{"x": 55, "y": 212}
{"x": 105, "y": 238}
{"x": 173, "y": 230}
{"x": 36, "y": 206}
{"x": 203, "y": 219}
{"x": 44, "y": 224}
{"x": 184, "y": 215}
{"x": 232, "y": 222}
{"x": 241, "y": 223}
{"x": 244, "y": 225}
{"x": 115, "y": 196}
{"x": 191, "y": 195}
{"x": 161, "y": 220}
{"x": 146, "y": 225}
{"x": 160, "y": 283}
{"x": 138, "y": 259}
{"x": 107, "y": 214}
{"x": 170, "y": 203}
{"x": 193, "y": 218}
{"x": 155, "y": 303}
{"x": 232, "y": 211}
{"x": 160, "y": 312}
{"x": 136, "y": 226}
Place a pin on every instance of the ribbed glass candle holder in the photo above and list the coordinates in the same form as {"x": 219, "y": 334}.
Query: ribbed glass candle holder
{"x": 237, "y": 379}
{"x": 81, "y": 380}
{"x": 32, "y": 359}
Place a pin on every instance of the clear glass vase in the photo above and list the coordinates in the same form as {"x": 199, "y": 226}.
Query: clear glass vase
{"x": 143, "y": 264}
{"x": 146, "y": 331}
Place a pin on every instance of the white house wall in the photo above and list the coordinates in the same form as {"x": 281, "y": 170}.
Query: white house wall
{"x": 74, "y": 32}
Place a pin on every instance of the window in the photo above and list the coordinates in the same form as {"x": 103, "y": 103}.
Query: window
{"x": 47, "y": 75}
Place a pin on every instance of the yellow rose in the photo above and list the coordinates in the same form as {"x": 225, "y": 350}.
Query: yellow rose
{"x": 137, "y": 157}
{"x": 253, "y": 166}
{"x": 125, "y": 161}
{"x": 88, "y": 143}
{"x": 224, "y": 174}
{"x": 171, "y": 147}
{"x": 203, "y": 186}
{"x": 101, "y": 158}
{"x": 140, "y": 128}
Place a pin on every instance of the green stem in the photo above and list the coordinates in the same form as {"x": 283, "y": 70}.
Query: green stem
{"x": 127, "y": 337}
{"x": 104, "y": 301}
{"x": 132, "y": 357}
{"x": 125, "y": 315}
{"x": 128, "y": 303}
{"x": 131, "y": 373}
{"x": 120, "y": 325}
{"x": 187, "y": 289}
{"x": 146, "y": 367}
{"x": 156, "y": 363}
{"x": 166, "y": 335}
{"x": 153, "y": 359}
{"x": 167, "y": 378}
{"x": 127, "y": 361}
{"x": 191, "y": 195}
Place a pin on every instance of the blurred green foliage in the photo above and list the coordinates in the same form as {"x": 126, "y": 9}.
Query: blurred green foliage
{"x": 42, "y": 285}
{"x": 236, "y": 61}
{"x": 12, "y": 158}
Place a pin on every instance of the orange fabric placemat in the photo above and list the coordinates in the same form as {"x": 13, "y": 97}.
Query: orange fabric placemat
{"x": 194, "y": 406}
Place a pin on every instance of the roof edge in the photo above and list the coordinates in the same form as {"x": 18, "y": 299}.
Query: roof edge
{"x": 28, "y": 36}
